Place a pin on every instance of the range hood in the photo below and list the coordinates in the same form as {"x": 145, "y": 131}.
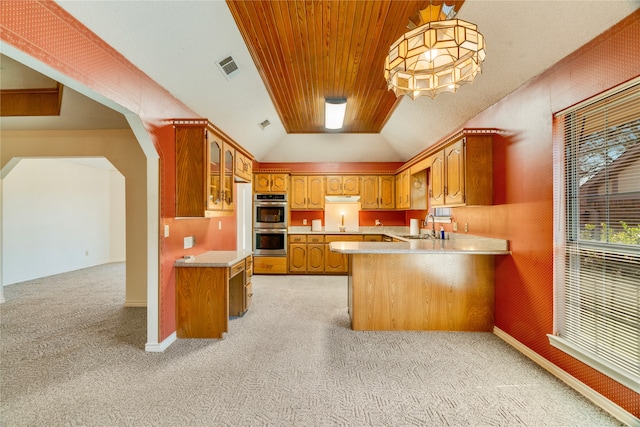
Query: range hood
{"x": 342, "y": 199}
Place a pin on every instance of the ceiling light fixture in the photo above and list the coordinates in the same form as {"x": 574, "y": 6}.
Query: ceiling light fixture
{"x": 438, "y": 54}
{"x": 334, "y": 110}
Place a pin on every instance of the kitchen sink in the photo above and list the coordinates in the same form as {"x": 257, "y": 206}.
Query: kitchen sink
{"x": 417, "y": 236}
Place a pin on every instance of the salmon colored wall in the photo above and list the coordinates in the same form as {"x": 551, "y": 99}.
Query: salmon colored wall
{"x": 523, "y": 180}
{"x": 209, "y": 234}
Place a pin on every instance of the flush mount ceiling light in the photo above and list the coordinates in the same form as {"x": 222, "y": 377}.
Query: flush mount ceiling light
{"x": 438, "y": 54}
{"x": 334, "y": 110}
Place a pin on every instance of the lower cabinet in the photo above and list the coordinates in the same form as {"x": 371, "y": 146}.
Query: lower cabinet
{"x": 310, "y": 253}
{"x": 207, "y": 296}
{"x": 240, "y": 288}
{"x": 334, "y": 262}
{"x": 306, "y": 253}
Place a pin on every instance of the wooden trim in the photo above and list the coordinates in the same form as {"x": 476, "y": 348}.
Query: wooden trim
{"x": 31, "y": 102}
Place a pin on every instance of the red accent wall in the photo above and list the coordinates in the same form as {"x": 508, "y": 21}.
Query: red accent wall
{"x": 217, "y": 233}
{"x": 523, "y": 179}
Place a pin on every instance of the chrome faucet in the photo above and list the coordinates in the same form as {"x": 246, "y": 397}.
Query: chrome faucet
{"x": 425, "y": 223}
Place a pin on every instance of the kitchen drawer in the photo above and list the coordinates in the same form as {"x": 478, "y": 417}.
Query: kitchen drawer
{"x": 372, "y": 238}
{"x": 249, "y": 266}
{"x": 236, "y": 268}
{"x": 343, "y": 238}
{"x": 270, "y": 265}
{"x": 297, "y": 238}
{"x": 315, "y": 238}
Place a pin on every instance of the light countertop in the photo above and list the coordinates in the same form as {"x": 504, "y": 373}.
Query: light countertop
{"x": 455, "y": 243}
{"x": 472, "y": 246}
{"x": 213, "y": 259}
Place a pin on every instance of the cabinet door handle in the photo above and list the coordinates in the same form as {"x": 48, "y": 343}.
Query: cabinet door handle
{"x": 446, "y": 191}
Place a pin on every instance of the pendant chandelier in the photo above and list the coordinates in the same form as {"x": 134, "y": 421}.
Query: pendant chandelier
{"x": 438, "y": 54}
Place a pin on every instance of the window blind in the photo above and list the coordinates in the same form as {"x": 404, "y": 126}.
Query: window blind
{"x": 597, "y": 287}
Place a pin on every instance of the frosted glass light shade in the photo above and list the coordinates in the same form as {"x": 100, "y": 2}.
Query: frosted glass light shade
{"x": 334, "y": 110}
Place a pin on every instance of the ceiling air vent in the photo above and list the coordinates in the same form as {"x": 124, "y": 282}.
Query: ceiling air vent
{"x": 264, "y": 124}
{"x": 228, "y": 66}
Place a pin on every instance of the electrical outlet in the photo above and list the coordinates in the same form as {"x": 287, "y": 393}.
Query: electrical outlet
{"x": 304, "y": 221}
{"x": 189, "y": 242}
{"x": 219, "y": 225}
{"x": 455, "y": 226}
{"x": 466, "y": 227}
{"x": 166, "y": 230}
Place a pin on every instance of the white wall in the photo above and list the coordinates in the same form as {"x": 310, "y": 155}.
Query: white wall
{"x": 60, "y": 216}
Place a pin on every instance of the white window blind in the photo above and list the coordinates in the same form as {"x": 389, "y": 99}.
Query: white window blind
{"x": 597, "y": 253}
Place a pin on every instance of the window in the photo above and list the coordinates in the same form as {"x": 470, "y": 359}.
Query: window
{"x": 597, "y": 238}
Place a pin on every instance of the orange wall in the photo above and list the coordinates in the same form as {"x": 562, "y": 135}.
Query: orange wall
{"x": 523, "y": 179}
{"x": 206, "y": 231}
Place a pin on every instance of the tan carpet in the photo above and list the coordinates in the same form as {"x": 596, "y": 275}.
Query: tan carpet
{"x": 72, "y": 355}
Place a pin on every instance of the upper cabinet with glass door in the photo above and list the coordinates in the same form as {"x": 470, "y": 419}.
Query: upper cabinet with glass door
{"x": 205, "y": 164}
{"x": 228, "y": 195}
{"x": 215, "y": 196}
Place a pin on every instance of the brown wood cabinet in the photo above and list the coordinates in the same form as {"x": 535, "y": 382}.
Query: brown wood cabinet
{"x": 377, "y": 192}
{"x": 335, "y": 262}
{"x": 243, "y": 168}
{"x": 191, "y": 154}
{"x": 343, "y": 185}
{"x": 306, "y": 253}
{"x": 307, "y": 192}
{"x": 207, "y": 296}
{"x": 461, "y": 174}
{"x": 204, "y": 169}
{"x": 270, "y": 183}
{"x": 315, "y": 255}
{"x": 297, "y": 253}
{"x": 403, "y": 190}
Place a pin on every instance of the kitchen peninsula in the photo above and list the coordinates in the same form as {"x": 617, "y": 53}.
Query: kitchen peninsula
{"x": 422, "y": 284}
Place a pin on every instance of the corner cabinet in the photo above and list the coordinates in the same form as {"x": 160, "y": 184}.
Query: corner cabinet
{"x": 462, "y": 173}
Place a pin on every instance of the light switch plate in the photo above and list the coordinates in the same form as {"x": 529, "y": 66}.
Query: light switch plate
{"x": 189, "y": 241}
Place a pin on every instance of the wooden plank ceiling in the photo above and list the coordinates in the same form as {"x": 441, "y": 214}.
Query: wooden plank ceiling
{"x": 307, "y": 51}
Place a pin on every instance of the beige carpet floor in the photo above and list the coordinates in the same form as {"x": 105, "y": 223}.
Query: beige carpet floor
{"x": 71, "y": 355}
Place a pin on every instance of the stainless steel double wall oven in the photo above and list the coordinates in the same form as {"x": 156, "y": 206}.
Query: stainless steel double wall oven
{"x": 270, "y": 222}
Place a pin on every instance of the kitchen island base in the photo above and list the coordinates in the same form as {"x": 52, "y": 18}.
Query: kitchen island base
{"x": 400, "y": 292}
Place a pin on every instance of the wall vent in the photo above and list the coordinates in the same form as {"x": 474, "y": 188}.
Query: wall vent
{"x": 264, "y": 124}
{"x": 228, "y": 66}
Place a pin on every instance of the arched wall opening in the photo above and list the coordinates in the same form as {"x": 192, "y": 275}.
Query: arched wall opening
{"x": 123, "y": 150}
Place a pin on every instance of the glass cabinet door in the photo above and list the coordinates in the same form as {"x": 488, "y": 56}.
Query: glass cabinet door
{"x": 214, "y": 198}
{"x": 229, "y": 162}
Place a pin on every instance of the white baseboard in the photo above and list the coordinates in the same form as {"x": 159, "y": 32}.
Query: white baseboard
{"x": 599, "y": 400}
{"x": 133, "y": 303}
{"x": 159, "y": 348}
